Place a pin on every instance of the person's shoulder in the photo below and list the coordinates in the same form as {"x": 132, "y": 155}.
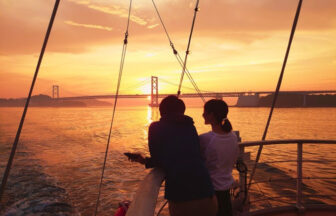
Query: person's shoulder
{"x": 233, "y": 135}
{"x": 154, "y": 125}
{"x": 188, "y": 119}
{"x": 205, "y": 136}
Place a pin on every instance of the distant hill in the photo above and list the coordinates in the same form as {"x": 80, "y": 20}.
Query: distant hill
{"x": 46, "y": 101}
{"x": 297, "y": 100}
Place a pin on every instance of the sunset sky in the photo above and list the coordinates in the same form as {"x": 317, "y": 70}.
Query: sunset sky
{"x": 237, "y": 45}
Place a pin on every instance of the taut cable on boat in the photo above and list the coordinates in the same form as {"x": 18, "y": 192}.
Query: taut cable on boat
{"x": 277, "y": 89}
{"x": 18, "y": 133}
{"x": 190, "y": 78}
{"x": 177, "y": 55}
{"x": 122, "y": 61}
{"x": 187, "y": 51}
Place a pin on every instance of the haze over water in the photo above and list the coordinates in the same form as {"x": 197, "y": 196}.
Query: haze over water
{"x": 69, "y": 145}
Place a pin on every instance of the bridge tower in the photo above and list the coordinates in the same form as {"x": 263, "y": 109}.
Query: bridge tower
{"x": 55, "y": 91}
{"x": 154, "y": 92}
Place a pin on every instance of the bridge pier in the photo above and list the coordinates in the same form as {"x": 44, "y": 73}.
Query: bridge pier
{"x": 154, "y": 92}
{"x": 55, "y": 91}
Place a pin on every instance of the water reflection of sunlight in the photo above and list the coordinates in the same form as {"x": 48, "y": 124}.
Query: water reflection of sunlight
{"x": 152, "y": 114}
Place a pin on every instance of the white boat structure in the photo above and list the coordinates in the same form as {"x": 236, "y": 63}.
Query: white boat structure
{"x": 145, "y": 201}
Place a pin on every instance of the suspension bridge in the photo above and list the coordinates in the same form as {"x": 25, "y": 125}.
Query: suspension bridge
{"x": 247, "y": 97}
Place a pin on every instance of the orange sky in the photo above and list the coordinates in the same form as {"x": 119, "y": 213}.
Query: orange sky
{"x": 238, "y": 45}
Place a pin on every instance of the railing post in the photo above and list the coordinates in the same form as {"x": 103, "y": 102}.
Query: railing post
{"x": 242, "y": 179}
{"x": 243, "y": 197}
{"x": 241, "y": 157}
{"x": 299, "y": 178}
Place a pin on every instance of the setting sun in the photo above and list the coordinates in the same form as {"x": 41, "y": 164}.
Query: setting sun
{"x": 145, "y": 89}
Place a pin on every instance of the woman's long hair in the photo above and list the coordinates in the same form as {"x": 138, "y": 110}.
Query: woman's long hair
{"x": 220, "y": 111}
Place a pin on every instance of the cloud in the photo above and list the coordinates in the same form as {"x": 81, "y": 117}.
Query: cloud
{"x": 152, "y": 26}
{"x": 119, "y": 12}
{"x": 242, "y": 21}
{"x": 88, "y": 25}
{"x": 111, "y": 9}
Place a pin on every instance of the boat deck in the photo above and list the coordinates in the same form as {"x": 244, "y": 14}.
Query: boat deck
{"x": 308, "y": 213}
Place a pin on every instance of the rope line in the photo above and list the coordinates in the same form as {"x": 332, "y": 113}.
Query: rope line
{"x": 162, "y": 207}
{"x": 18, "y": 133}
{"x": 122, "y": 61}
{"x": 190, "y": 78}
{"x": 187, "y": 51}
{"x": 277, "y": 89}
{"x": 164, "y": 27}
{"x": 177, "y": 55}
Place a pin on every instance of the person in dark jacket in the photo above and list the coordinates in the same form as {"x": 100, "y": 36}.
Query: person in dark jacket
{"x": 174, "y": 147}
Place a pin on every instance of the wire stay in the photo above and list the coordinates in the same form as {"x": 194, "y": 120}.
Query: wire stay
{"x": 18, "y": 133}
{"x": 122, "y": 61}
{"x": 277, "y": 89}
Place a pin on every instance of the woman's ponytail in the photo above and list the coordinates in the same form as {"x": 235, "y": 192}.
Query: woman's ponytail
{"x": 226, "y": 126}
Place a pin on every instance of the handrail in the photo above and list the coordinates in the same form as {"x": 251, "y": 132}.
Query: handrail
{"x": 144, "y": 201}
{"x": 299, "y": 142}
{"x": 289, "y": 141}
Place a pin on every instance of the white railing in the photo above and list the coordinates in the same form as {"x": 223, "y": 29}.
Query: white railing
{"x": 145, "y": 199}
{"x": 300, "y": 207}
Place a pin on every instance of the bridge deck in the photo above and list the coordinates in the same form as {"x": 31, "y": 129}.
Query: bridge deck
{"x": 194, "y": 95}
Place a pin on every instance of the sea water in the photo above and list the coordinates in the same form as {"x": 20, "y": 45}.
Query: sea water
{"x": 61, "y": 153}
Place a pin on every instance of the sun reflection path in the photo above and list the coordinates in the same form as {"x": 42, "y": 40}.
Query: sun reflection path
{"x": 152, "y": 114}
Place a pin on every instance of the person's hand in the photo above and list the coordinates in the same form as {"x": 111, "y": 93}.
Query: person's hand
{"x": 135, "y": 157}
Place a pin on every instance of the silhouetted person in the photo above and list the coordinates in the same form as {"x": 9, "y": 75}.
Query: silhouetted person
{"x": 174, "y": 147}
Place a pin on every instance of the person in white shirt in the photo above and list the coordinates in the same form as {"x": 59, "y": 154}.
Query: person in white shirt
{"x": 220, "y": 151}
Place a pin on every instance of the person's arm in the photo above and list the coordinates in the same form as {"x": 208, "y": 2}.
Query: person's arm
{"x": 136, "y": 157}
{"x": 154, "y": 147}
{"x": 149, "y": 163}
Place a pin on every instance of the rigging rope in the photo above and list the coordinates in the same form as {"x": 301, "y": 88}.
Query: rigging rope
{"x": 190, "y": 78}
{"x": 277, "y": 89}
{"x": 187, "y": 51}
{"x": 177, "y": 55}
{"x": 18, "y": 133}
{"x": 160, "y": 210}
{"x": 122, "y": 61}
